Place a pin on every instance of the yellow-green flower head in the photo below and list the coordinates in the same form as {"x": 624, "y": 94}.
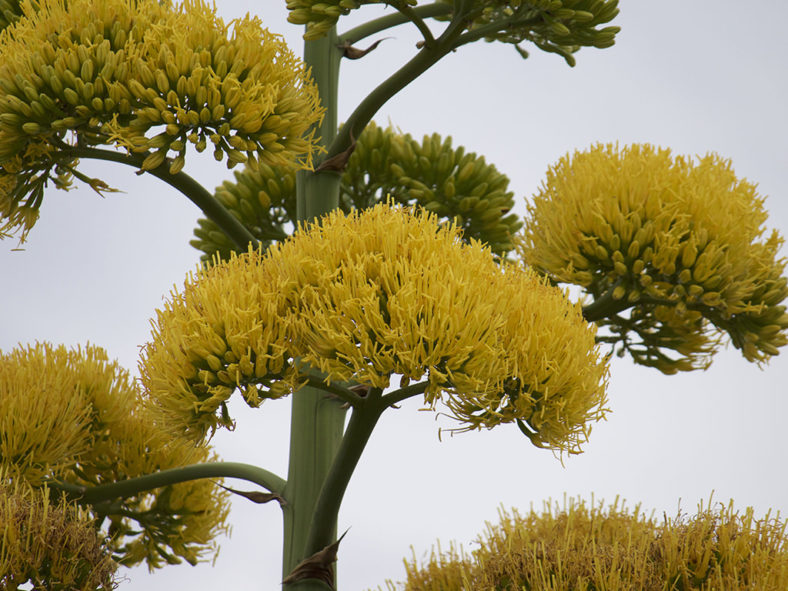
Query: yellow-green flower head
{"x": 50, "y": 545}
{"x": 72, "y": 415}
{"x": 10, "y": 11}
{"x": 555, "y": 26}
{"x": 673, "y": 253}
{"x": 149, "y": 76}
{"x": 455, "y": 184}
{"x": 320, "y": 15}
{"x": 590, "y": 546}
{"x": 367, "y": 296}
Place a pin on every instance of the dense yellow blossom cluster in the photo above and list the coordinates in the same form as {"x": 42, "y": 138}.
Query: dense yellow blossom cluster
{"x": 372, "y": 295}
{"x": 72, "y": 415}
{"x": 555, "y": 26}
{"x": 49, "y": 545}
{"x": 10, "y": 12}
{"x": 578, "y": 546}
{"x": 450, "y": 181}
{"x": 149, "y": 76}
{"x": 672, "y": 252}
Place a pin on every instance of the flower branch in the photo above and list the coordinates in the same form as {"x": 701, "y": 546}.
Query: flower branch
{"x": 394, "y": 20}
{"x": 428, "y": 56}
{"x": 492, "y": 28}
{"x": 344, "y": 394}
{"x": 401, "y": 394}
{"x": 132, "y": 486}
{"x": 362, "y": 422}
{"x": 196, "y": 193}
{"x": 409, "y": 13}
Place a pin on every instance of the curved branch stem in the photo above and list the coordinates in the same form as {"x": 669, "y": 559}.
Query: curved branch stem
{"x": 427, "y": 57}
{"x": 390, "y": 21}
{"x": 409, "y": 13}
{"x": 492, "y": 28}
{"x": 608, "y": 307}
{"x": 605, "y": 306}
{"x": 396, "y": 396}
{"x": 196, "y": 193}
{"x": 362, "y": 423}
{"x": 127, "y": 488}
{"x": 340, "y": 392}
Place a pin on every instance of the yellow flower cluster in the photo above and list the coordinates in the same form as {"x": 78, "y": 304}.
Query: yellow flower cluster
{"x": 10, "y": 12}
{"x": 592, "y": 547}
{"x": 320, "y": 15}
{"x": 49, "y": 545}
{"x": 151, "y": 77}
{"x": 671, "y": 251}
{"x": 451, "y": 182}
{"x": 74, "y": 416}
{"x": 368, "y": 296}
{"x": 555, "y": 26}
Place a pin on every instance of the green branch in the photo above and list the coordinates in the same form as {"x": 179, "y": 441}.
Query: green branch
{"x": 409, "y": 13}
{"x": 606, "y": 305}
{"x": 196, "y": 193}
{"x": 390, "y": 21}
{"x": 127, "y": 488}
{"x": 494, "y": 27}
{"x": 340, "y": 392}
{"x": 362, "y": 423}
{"x": 420, "y": 63}
{"x": 396, "y": 396}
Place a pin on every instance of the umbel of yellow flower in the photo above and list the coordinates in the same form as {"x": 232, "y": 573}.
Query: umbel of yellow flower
{"x": 582, "y": 546}
{"x": 50, "y": 545}
{"x": 149, "y": 76}
{"x": 555, "y": 26}
{"x": 73, "y": 416}
{"x": 368, "y": 296}
{"x": 449, "y": 181}
{"x": 672, "y": 252}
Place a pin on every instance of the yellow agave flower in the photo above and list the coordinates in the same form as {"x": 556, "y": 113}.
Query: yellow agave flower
{"x": 430, "y": 173}
{"x": 672, "y": 252}
{"x": 50, "y": 545}
{"x": 590, "y": 546}
{"x": 149, "y": 76}
{"x": 366, "y": 297}
{"x": 71, "y": 415}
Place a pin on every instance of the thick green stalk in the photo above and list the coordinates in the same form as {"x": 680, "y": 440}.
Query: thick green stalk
{"x": 362, "y": 423}
{"x": 317, "y": 420}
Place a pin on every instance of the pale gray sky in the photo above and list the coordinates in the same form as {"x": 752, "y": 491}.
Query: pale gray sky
{"x": 696, "y": 76}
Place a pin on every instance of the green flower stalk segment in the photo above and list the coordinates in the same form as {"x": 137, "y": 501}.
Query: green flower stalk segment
{"x": 50, "y": 544}
{"x": 368, "y": 296}
{"x": 71, "y": 415}
{"x": 458, "y": 185}
{"x": 672, "y": 253}
{"x": 150, "y": 77}
{"x": 589, "y": 546}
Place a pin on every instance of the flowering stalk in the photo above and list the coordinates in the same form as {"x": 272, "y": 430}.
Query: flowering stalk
{"x": 317, "y": 421}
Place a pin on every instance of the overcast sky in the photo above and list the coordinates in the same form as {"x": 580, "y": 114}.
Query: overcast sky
{"x": 695, "y": 76}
